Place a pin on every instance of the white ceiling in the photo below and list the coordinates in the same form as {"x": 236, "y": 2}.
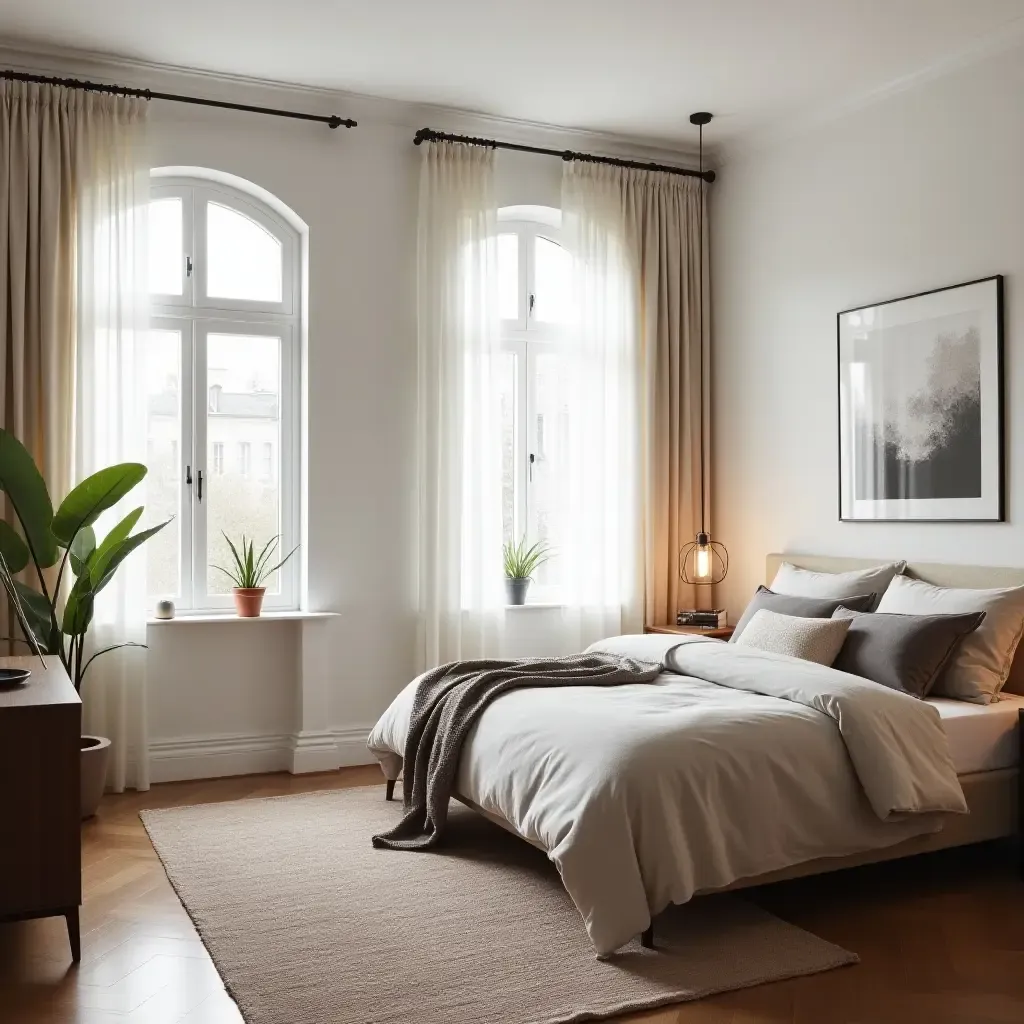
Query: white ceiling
{"x": 634, "y": 67}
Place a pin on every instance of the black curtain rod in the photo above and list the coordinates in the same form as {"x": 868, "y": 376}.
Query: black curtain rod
{"x": 429, "y": 135}
{"x": 332, "y": 121}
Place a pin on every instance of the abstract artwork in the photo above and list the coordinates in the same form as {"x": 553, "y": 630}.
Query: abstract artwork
{"x": 920, "y": 406}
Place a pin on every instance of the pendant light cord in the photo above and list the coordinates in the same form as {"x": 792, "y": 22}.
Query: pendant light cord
{"x": 700, "y": 296}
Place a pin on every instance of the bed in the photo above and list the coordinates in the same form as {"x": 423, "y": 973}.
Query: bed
{"x": 800, "y": 797}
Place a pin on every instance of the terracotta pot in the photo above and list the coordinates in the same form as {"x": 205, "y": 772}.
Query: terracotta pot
{"x": 95, "y": 754}
{"x": 249, "y": 601}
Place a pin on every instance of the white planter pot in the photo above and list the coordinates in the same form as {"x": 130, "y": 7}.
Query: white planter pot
{"x": 95, "y": 754}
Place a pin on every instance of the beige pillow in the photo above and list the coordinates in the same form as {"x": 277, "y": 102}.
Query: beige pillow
{"x": 817, "y": 640}
{"x": 979, "y": 668}
{"x": 797, "y": 582}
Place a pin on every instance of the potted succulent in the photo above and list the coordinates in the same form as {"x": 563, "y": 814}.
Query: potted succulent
{"x": 68, "y": 567}
{"x": 249, "y": 573}
{"x": 521, "y": 562}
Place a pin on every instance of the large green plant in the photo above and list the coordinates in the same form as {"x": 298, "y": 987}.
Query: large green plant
{"x": 61, "y": 553}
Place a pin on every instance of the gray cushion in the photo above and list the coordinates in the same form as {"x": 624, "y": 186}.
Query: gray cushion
{"x": 802, "y": 607}
{"x": 796, "y": 636}
{"x": 903, "y": 652}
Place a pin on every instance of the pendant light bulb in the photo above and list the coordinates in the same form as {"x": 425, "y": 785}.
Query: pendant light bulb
{"x": 702, "y": 558}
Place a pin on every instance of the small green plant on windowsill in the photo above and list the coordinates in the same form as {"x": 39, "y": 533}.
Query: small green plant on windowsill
{"x": 520, "y": 563}
{"x": 249, "y": 572}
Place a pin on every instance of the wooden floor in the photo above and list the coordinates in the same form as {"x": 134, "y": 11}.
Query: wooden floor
{"x": 941, "y": 938}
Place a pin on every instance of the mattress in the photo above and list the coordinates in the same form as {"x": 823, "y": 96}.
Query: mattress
{"x": 982, "y": 737}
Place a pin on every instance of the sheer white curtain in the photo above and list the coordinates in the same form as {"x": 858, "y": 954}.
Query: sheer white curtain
{"x": 459, "y": 426}
{"x": 598, "y": 535}
{"x": 110, "y": 424}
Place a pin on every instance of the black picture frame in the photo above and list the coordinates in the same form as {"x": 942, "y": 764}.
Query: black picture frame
{"x": 991, "y": 388}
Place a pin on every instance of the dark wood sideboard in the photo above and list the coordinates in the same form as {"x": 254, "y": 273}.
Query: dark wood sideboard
{"x": 40, "y": 810}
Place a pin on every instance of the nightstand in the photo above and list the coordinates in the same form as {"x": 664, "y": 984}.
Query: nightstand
{"x": 720, "y": 633}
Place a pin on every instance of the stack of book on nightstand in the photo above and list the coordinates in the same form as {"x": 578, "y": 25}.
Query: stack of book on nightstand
{"x": 713, "y": 618}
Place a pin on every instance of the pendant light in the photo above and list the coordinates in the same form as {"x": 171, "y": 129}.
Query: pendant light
{"x": 705, "y": 561}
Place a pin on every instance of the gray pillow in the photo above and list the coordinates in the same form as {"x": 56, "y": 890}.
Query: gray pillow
{"x": 801, "y": 607}
{"x": 797, "y": 636}
{"x": 903, "y": 652}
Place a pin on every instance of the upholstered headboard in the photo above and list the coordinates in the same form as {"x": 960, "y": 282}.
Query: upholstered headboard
{"x": 979, "y": 576}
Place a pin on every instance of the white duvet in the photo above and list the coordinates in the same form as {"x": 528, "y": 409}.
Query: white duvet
{"x": 731, "y": 764}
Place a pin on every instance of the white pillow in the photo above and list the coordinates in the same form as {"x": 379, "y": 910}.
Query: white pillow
{"x": 817, "y": 640}
{"x": 797, "y": 582}
{"x": 981, "y": 665}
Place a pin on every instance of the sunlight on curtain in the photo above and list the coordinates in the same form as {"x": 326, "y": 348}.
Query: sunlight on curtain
{"x": 110, "y": 415}
{"x": 458, "y": 415}
{"x": 597, "y": 532}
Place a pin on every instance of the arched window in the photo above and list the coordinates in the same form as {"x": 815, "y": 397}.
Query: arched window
{"x": 222, "y": 368}
{"x": 533, "y": 295}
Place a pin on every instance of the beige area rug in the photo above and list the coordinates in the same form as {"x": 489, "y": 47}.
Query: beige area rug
{"x": 309, "y": 924}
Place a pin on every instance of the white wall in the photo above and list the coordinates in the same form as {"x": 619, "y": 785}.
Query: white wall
{"x": 223, "y": 697}
{"x": 920, "y": 190}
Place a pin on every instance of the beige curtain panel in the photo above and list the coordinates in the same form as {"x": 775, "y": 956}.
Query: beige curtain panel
{"x": 74, "y": 190}
{"x": 38, "y": 187}
{"x": 662, "y": 218}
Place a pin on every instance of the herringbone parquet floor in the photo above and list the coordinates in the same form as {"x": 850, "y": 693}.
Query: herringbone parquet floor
{"x": 941, "y": 938}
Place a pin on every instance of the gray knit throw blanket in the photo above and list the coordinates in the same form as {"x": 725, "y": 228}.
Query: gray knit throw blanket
{"x": 450, "y": 699}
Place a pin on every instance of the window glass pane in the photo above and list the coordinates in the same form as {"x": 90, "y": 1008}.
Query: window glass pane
{"x": 552, "y": 282}
{"x": 243, "y": 260}
{"x": 243, "y": 413}
{"x": 508, "y": 276}
{"x": 507, "y": 397}
{"x": 547, "y": 433}
{"x": 166, "y": 258}
{"x": 163, "y": 482}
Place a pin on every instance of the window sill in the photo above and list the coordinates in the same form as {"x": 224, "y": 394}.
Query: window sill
{"x": 197, "y": 618}
{"x": 535, "y": 606}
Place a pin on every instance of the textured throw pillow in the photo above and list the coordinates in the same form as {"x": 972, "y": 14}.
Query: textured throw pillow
{"x": 979, "y": 668}
{"x": 791, "y": 579}
{"x": 903, "y": 652}
{"x": 816, "y": 640}
{"x": 802, "y": 607}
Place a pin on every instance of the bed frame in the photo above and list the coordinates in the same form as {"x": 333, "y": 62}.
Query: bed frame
{"x": 995, "y": 799}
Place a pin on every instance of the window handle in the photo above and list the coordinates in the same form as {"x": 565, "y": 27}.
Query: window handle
{"x": 188, "y": 266}
{"x": 533, "y": 299}
{"x": 188, "y": 476}
{"x": 199, "y": 484}
{"x": 531, "y": 467}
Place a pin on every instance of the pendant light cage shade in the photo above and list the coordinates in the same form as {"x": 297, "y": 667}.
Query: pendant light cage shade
{"x": 704, "y": 562}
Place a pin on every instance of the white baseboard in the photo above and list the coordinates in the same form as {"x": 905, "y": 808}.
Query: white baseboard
{"x": 352, "y": 746}
{"x": 211, "y": 757}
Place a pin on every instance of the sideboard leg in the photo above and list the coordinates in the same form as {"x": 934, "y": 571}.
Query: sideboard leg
{"x": 74, "y": 937}
{"x": 389, "y": 792}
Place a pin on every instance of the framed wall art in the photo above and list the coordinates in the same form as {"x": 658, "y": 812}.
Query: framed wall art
{"x": 921, "y": 407}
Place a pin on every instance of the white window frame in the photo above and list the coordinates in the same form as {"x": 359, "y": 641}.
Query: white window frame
{"x": 527, "y": 338}
{"x": 195, "y": 316}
